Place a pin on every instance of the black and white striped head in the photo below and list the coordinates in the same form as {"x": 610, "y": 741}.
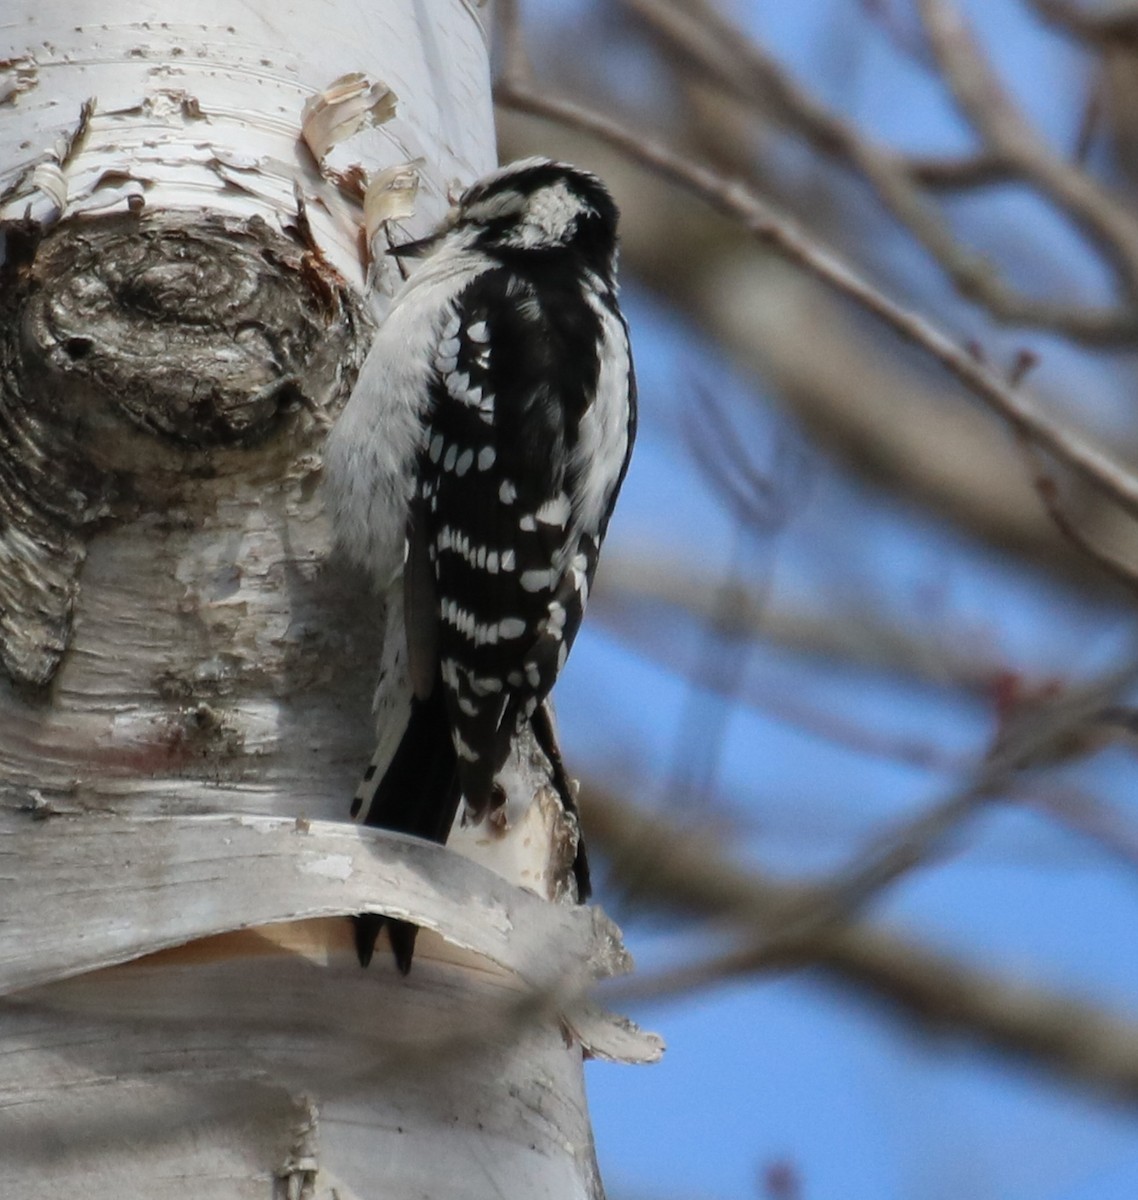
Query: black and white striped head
{"x": 539, "y": 206}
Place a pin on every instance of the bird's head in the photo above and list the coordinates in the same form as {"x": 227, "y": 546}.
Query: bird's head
{"x": 533, "y": 206}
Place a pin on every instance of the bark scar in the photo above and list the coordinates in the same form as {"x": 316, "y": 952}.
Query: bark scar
{"x": 134, "y": 351}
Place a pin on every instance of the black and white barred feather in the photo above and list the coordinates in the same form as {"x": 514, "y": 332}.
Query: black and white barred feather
{"x": 481, "y": 453}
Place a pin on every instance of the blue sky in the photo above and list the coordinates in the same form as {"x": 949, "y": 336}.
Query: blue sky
{"x": 791, "y": 1069}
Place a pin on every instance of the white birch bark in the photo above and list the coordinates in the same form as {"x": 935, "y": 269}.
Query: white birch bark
{"x": 186, "y": 687}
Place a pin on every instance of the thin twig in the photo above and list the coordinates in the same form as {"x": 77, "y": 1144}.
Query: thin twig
{"x": 1047, "y": 489}
{"x": 1090, "y": 120}
{"x": 1050, "y": 732}
{"x": 843, "y": 896}
{"x": 759, "y": 498}
{"x": 953, "y": 173}
{"x": 807, "y": 913}
{"x": 1090, "y": 817}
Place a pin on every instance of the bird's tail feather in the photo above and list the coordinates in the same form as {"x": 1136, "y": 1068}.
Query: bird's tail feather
{"x": 418, "y": 794}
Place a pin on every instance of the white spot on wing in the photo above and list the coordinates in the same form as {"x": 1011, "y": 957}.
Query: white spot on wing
{"x": 463, "y": 749}
{"x": 458, "y": 385}
{"x": 555, "y": 512}
{"x": 535, "y": 581}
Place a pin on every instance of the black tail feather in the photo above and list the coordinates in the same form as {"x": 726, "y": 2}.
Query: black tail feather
{"x": 419, "y": 791}
{"x": 418, "y": 794}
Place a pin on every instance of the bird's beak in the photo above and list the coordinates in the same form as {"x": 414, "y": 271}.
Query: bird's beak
{"x": 418, "y": 249}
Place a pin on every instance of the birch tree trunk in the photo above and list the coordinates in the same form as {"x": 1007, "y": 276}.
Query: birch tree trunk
{"x": 187, "y": 680}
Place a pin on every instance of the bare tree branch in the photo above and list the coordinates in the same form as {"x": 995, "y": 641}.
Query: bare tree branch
{"x": 1007, "y": 134}
{"x": 846, "y": 635}
{"x": 1086, "y": 815}
{"x": 777, "y": 926}
{"x": 726, "y": 56}
{"x": 1047, "y": 489}
{"x": 1113, "y": 23}
{"x": 793, "y": 243}
{"x": 1053, "y": 730}
{"x": 680, "y": 869}
{"x": 955, "y": 174}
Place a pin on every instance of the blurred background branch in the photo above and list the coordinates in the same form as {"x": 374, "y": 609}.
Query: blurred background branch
{"x": 867, "y": 632}
{"x": 783, "y": 928}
